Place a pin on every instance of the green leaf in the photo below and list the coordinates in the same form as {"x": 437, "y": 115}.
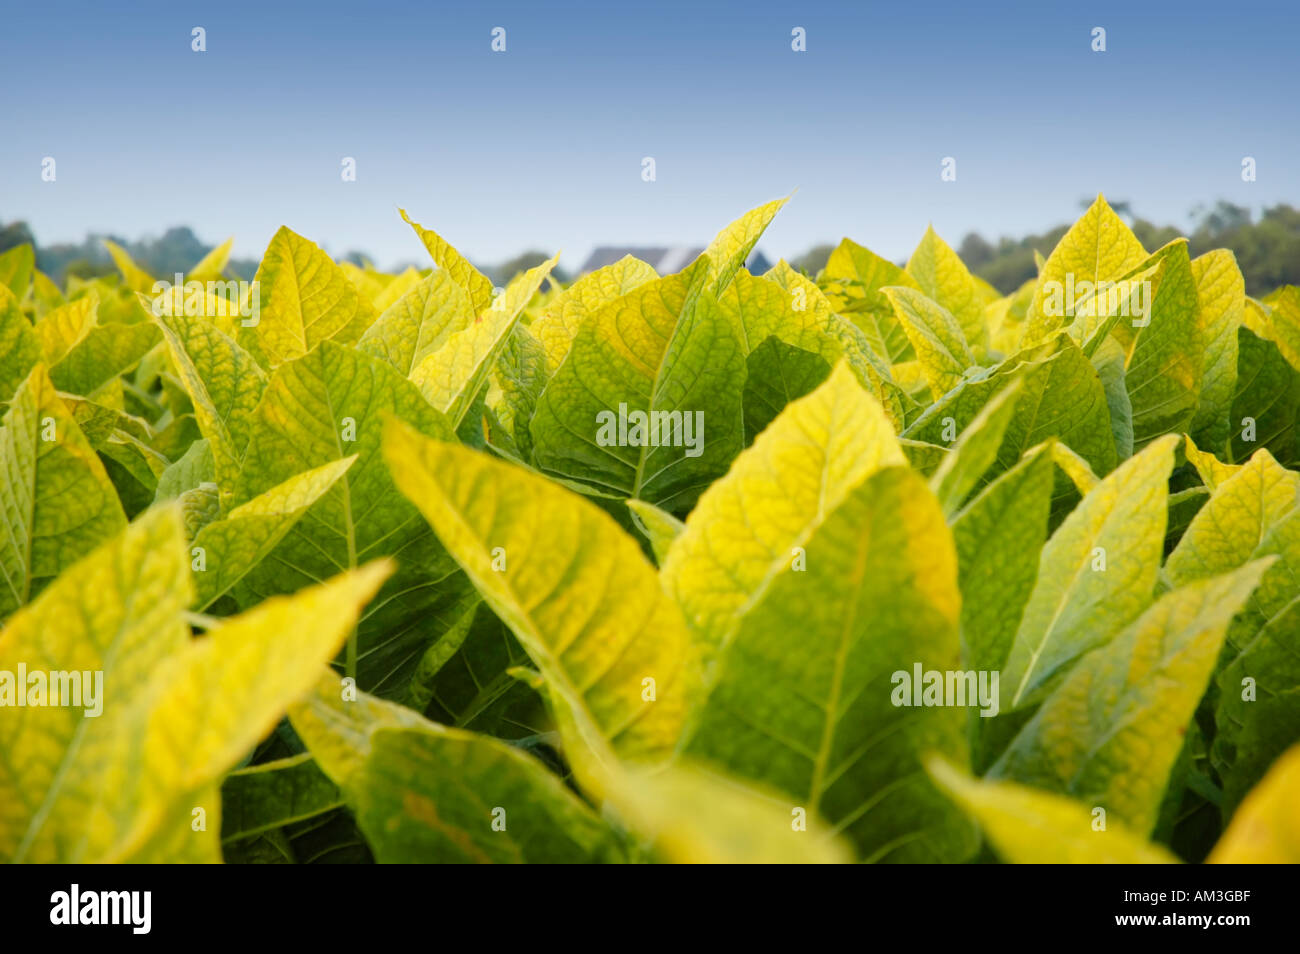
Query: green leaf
{"x": 419, "y": 323}
{"x": 423, "y": 793}
{"x": 1109, "y": 361}
{"x": 878, "y": 597}
{"x": 56, "y": 501}
{"x": 319, "y": 409}
{"x": 998, "y": 537}
{"x": 1031, "y": 827}
{"x": 231, "y": 548}
{"x": 194, "y": 468}
{"x": 569, "y": 582}
{"x": 945, "y": 280}
{"x": 516, "y": 382}
{"x": 937, "y": 337}
{"x": 975, "y": 451}
{"x": 1110, "y": 733}
{"x": 211, "y": 265}
{"x": 303, "y": 299}
{"x": 1164, "y": 369}
{"x": 749, "y": 524}
{"x": 1061, "y": 397}
{"x": 667, "y": 355}
{"x": 1077, "y": 605}
{"x": 267, "y": 797}
{"x": 1267, "y": 402}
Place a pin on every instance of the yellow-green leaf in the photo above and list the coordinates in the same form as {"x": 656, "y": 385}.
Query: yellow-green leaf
{"x": 1266, "y": 828}
{"x": 943, "y": 277}
{"x": 1110, "y": 733}
{"x": 1031, "y": 827}
{"x": 304, "y": 299}
{"x": 464, "y": 274}
{"x": 574, "y": 588}
{"x": 876, "y": 596}
{"x": 936, "y": 336}
{"x": 451, "y": 377}
{"x": 63, "y": 327}
{"x": 56, "y": 501}
{"x": 730, "y": 247}
{"x": 1095, "y": 574}
{"x": 750, "y": 524}
{"x": 117, "y": 611}
{"x": 559, "y": 322}
{"x": 225, "y": 551}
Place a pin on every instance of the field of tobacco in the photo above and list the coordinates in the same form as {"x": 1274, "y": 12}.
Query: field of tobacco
{"x": 875, "y": 564}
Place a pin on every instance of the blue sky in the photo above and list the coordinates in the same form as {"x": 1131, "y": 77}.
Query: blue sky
{"x": 541, "y": 146}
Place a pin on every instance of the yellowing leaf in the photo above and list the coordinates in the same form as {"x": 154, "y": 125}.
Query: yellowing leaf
{"x": 304, "y": 299}
{"x": 210, "y": 266}
{"x": 1028, "y": 826}
{"x": 1225, "y": 532}
{"x": 559, "y": 322}
{"x": 1110, "y": 733}
{"x": 1220, "y": 306}
{"x": 944, "y": 279}
{"x": 1266, "y": 829}
{"x": 419, "y": 323}
{"x": 464, "y": 274}
{"x": 56, "y": 501}
{"x": 573, "y": 587}
{"x": 20, "y": 348}
{"x": 730, "y": 247}
{"x": 133, "y": 276}
{"x": 452, "y": 376}
{"x": 117, "y": 611}
{"x": 213, "y": 701}
{"x": 936, "y": 336}
{"x": 749, "y": 525}
{"x": 66, "y": 325}
{"x": 229, "y": 549}
{"x": 1095, "y": 574}
{"x": 16, "y": 267}
{"x": 224, "y": 383}
{"x": 1098, "y": 247}
{"x": 424, "y": 793}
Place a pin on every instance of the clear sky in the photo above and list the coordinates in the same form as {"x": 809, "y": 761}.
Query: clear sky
{"x": 541, "y": 146}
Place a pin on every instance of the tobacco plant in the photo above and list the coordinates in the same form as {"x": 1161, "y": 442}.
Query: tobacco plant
{"x": 876, "y": 564}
